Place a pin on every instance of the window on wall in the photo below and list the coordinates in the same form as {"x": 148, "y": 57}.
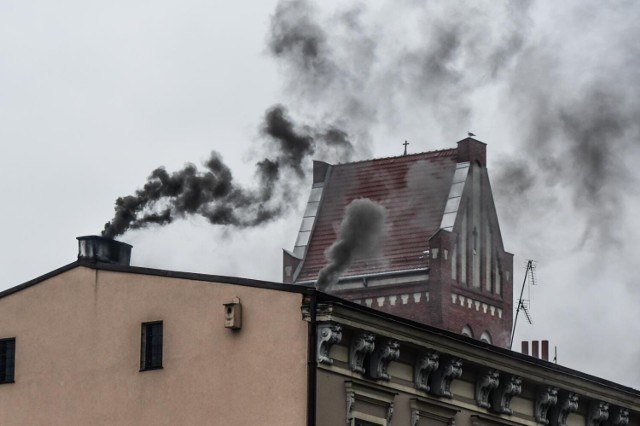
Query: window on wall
{"x": 7, "y": 360}
{"x": 486, "y": 337}
{"x": 467, "y": 331}
{"x": 151, "y": 346}
{"x": 368, "y": 405}
{"x": 428, "y": 413}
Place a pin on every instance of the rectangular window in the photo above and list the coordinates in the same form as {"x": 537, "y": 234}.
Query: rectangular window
{"x": 151, "y": 346}
{"x": 7, "y": 360}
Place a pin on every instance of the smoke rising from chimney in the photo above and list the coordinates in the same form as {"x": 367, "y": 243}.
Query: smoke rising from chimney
{"x": 361, "y": 232}
{"x": 577, "y": 114}
{"x": 213, "y": 194}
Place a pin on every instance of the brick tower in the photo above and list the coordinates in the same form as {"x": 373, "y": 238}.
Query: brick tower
{"x": 442, "y": 261}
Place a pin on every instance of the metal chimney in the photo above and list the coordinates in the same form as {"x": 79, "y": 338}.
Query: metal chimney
{"x": 95, "y": 248}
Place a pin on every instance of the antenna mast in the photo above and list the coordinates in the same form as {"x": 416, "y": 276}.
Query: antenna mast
{"x": 523, "y": 304}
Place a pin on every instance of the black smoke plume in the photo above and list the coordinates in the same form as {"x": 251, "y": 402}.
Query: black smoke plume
{"x": 213, "y": 194}
{"x": 361, "y": 232}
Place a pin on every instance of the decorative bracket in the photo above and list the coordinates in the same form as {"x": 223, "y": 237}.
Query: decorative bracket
{"x": 598, "y": 413}
{"x": 485, "y": 383}
{"x": 545, "y": 397}
{"x": 351, "y": 401}
{"x": 389, "y": 414}
{"x": 450, "y": 368}
{"x": 509, "y": 387}
{"x": 619, "y": 416}
{"x": 328, "y": 335}
{"x": 426, "y": 363}
{"x": 567, "y": 404}
{"x": 361, "y": 345}
{"x": 383, "y": 354}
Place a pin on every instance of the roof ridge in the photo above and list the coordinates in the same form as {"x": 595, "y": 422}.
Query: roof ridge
{"x": 435, "y": 153}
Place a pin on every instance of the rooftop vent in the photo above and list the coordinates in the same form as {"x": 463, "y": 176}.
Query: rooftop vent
{"x": 101, "y": 249}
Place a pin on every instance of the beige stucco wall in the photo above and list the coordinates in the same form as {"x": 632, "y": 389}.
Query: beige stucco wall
{"x": 78, "y": 352}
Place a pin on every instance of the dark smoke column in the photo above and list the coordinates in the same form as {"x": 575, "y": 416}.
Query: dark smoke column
{"x": 361, "y": 232}
{"x": 213, "y": 194}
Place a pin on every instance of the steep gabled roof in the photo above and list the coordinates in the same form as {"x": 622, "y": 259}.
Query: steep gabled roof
{"x": 413, "y": 189}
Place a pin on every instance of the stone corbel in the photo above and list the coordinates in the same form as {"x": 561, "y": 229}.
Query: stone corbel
{"x": 361, "y": 345}
{"x": 450, "y": 368}
{"x": 619, "y": 416}
{"x": 598, "y": 413}
{"x": 389, "y": 414}
{"x": 567, "y": 404}
{"x": 509, "y": 387}
{"x": 351, "y": 401}
{"x": 426, "y": 364}
{"x": 328, "y": 335}
{"x": 545, "y": 397}
{"x": 384, "y": 353}
{"x": 487, "y": 380}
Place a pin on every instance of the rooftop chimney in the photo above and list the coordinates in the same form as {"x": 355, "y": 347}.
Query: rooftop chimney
{"x": 95, "y": 248}
{"x": 537, "y": 350}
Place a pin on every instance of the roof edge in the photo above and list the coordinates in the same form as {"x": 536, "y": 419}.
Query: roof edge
{"x": 39, "y": 279}
{"x": 99, "y": 266}
{"x": 500, "y": 351}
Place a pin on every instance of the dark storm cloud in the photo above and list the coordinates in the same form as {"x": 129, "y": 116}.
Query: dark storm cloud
{"x": 361, "y": 232}
{"x": 213, "y": 194}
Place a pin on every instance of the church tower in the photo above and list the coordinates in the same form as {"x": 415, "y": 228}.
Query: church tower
{"x": 442, "y": 261}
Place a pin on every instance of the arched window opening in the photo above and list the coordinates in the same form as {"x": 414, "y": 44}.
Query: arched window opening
{"x": 486, "y": 337}
{"x": 467, "y": 331}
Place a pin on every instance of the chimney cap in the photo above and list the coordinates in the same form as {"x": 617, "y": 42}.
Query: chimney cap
{"x": 96, "y": 248}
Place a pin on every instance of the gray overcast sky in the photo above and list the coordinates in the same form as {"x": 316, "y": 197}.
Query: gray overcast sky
{"x": 94, "y": 96}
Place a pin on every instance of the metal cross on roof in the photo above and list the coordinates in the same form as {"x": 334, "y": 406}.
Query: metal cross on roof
{"x": 405, "y": 147}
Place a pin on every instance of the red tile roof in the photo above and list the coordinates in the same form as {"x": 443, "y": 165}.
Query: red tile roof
{"x": 413, "y": 189}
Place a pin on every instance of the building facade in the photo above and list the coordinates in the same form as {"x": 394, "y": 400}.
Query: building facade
{"x": 101, "y": 342}
{"x": 442, "y": 263}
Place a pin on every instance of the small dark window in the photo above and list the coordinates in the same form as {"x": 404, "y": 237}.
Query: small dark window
{"x": 151, "y": 346}
{"x": 7, "y": 360}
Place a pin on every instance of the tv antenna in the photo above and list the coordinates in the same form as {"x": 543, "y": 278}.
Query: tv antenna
{"x": 524, "y": 304}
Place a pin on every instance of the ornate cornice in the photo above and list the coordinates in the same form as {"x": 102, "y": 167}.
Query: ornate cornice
{"x": 509, "y": 387}
{"x": 487, "y": 380}
{"x": 361, "y": 345}
{"x": 546, "y": 397}
{"x": 385, "y": 352}
{"x": 426, "y": 363}
{"x": 323, "y": 311}
{"x": 328, "y": 335}
{"x": 450, "y": 368}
